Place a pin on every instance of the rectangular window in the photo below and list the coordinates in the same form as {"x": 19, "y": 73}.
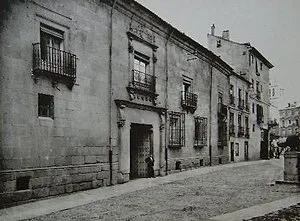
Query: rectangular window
{"x": 253, "y": 108}
{"x": 261, "y": 65}
{"x": 51, "y": 43}
{"x": 142, "y": 78}
{"x": 45, "y": 105}
{"x": 200, "y": 131}
{"x": 237, "y": 149}
{"x": 253, "y": 128}
{"x": 176, "y": 129}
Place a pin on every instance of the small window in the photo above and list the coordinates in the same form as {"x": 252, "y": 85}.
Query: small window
{"x": 237, "y": 149}
{"x": 200, "y": 131}
{"x": 290, "y": 121}
{"x": 219, "y": 43}
{"x": 261, "y": 65}
{"x": 253, "y": 108}
{"x": 177, "y": 129}
{"x": 253, "y": 128}
{"x": 23, "y": 183}
{"x": 45, "y": 106}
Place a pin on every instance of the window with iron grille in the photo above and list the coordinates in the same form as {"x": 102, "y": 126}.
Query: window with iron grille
{"x": 45, "y": 105}
{"x": 200, "y": 131}
{"x": 176, "y": 129}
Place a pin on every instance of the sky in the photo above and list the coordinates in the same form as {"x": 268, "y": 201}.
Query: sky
{"x": 271, "y": 26}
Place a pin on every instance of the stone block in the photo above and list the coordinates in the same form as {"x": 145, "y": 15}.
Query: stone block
{"x": 56, "y": 190}
{"x": 36, "y": 183}
{"x": 9, "y": 186}
{"x": 41, "y": 192}
{"x": 102, "y": 159}
{"x": 90, "y": 159}
{"x": 97, "y": 183}
{"x": 69, "y": 188}
{"x": 85, "y": 185}
{"x": 67, "y": 179}
{"x": 22, "y": 195}
{"x": 77, "y": 160}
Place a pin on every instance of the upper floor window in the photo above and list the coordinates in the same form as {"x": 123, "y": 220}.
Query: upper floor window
{"x": 188, "y": 98}
{"x": 219, "y": 43}
{"x": 200, "y": 131}
{"x": 261, "y": 65}
{"x": 142, "y": 78}
{"x": 176, "y": 129}
{"x": 51, "y": 43}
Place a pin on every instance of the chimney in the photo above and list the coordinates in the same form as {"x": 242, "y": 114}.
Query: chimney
{"x": 212, "y": 30}
{"x": 225, "y": 34}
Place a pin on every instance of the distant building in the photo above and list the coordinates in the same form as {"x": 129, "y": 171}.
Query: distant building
{"x": 289, "y": 122}
{"x": 276, "y": 95}
{"x": 250, "y": 64}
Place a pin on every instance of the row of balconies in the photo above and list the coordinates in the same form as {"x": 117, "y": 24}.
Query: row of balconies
{"x": 241, "y": 104}
{"x": 240, "y": 131}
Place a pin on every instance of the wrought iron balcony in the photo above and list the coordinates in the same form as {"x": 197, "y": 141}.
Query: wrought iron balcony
{"x": 143, "y": 81}
{"x": 231, "y": 100}
{"x": 54, "y": 63}
{"x": 241, "y": 104}
{"x": 247, "y": 134}
{"x": 231, "y": 130}
{"x": 260, "y": 118}
{"x": 189, "y": 100}
{"x": 222, "y": 109}
{"x": 241, "y": 131}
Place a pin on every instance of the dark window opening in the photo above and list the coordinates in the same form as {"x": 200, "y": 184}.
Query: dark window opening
{"x": 177, "y": 129}
{"x": 200, "y": 131}
{"x": 219, "y": 43}
{"x": 45, "y": 105}
{"x": 220, "y": 160}
{"x": 178, "y": 165}
{"x": 201, "y": 162}
{"x": 23, "y": 183}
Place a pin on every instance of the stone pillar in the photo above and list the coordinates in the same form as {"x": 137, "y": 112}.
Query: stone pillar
{"x": 291, "y": 170}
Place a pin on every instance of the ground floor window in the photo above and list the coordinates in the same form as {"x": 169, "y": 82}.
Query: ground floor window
{"x": 176, "y": 129}
{"x": 45, "y": 105}
{"x": 200, "y": 131}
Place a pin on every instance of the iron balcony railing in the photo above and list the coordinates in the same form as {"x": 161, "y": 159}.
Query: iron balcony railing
{"x": 241, "y": 104}
{"x": 231, "y": 100}
{"x": 231, "y": 130}
{"x": 53, "y": 60}
{"x": 241, "y": 131}
{"x": 189, "y": 99}
{"x": 143, "y": 81}
{"x": 247, "y": 134}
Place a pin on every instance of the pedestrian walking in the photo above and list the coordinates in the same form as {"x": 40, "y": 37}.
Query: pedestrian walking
{"x": 150, "y": 164}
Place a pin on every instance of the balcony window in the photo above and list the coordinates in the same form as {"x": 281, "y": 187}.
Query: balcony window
{"x": 141, "y": 77}
{"x": 200, "y": 131}
{"x": 50, "y": 59}
{"x": 260, "y": 114}
{"x": 176, "y": 129}
{"x": 188, "y": 98}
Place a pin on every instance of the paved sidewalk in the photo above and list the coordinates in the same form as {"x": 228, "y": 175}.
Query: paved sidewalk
{"x": 258, "y": 210}
{"x": 47, "y": 206}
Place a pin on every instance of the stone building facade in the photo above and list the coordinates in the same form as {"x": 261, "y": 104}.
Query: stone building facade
{"x": 289, "y": 122}
{"x": 89, "y": 89}
{"x": 250, "y": 64}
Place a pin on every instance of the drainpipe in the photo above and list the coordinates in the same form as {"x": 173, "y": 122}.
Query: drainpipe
{"x": 110, "y": 92}
{"x": 210, "y": 112}
{"x": 166, "y": 101}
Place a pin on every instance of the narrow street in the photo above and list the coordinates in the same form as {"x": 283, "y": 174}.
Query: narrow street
{"x": 201, "y": 196}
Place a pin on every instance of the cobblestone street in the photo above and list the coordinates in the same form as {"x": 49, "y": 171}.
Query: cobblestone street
{"x": 199, "y": 197}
